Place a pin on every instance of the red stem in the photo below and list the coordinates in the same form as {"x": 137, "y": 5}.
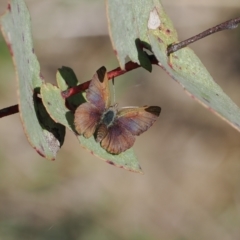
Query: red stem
{"x": 114, "y": 73}
{"x": 82, "y": 87}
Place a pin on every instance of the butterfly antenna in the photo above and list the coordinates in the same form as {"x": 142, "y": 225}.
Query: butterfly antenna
{"x": 114, "y": 95}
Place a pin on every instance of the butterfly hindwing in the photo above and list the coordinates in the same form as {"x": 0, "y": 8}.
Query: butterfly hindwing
{"x": 86, "y": 119}
{"x": 138, "y": 119}
{"x": 98, "y": 92}
{"x": 118, "y": 139}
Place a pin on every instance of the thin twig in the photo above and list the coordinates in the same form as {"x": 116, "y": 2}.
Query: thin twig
{"x": 8, "y": 111}
{"x": 230, "y": 24}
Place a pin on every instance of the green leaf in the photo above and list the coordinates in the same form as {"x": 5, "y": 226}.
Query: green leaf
{"x": 124, "y": 18}
{"x": 188, "y": 70}
{"x": 128, "y": 26}
{"x": 147, "y": 22}
{"x": 55, "y": 105}
{"x": 66, "y": 78}
{"x": 42, "y": 132}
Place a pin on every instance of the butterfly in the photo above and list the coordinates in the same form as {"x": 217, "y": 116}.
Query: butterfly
{"x": 115, "y": 129}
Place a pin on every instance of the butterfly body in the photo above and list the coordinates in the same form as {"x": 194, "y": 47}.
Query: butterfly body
{"x": 109, "y": 116}
{"x": 107, "y": 120}
{"x": 114, "y": 128}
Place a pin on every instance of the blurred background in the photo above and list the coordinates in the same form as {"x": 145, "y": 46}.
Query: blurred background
{"x": 191, "y": 159}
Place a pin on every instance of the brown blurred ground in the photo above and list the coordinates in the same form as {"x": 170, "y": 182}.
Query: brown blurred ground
{"x": 191, "y": 158}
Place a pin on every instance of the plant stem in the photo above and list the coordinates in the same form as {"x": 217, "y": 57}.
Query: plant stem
{"x": 82, "y": 87}
{"x": 230, "y": 24}
{"x": 114, "y": 73}
{"x": 9, "y": 111}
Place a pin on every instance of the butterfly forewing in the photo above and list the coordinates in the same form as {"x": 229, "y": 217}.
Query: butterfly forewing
{"x": 86, "y": 119}
{"x": 98, "y": 92}
{"x": 138, "y": 119}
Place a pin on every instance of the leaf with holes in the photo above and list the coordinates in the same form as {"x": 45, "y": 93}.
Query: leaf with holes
{"x": 42, "y": 132}
{"x": 146, "y": 22}
{"x": 55, "y": 105}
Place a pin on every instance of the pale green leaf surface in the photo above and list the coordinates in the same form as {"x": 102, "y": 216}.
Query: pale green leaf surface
{"x": 125, "y": 17}
{"x": 188, "y": 70}
{"x": 183, "y": 66}
{"x": 128, "y": 26}
{"x": 55, "y": 105}
{"x": 42, "y": 133}
{"x": 66, "y": 78}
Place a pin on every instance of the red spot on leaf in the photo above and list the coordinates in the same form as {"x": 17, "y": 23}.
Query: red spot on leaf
{"x": 40, "y": 152}
{"x": 110, "y": 162}
{"x": 168, "y": 31}
{"x": 10, "y": 48}
{"x": 159, "y": 40}
{"x": 9, "y": 7}
{"x": 41, "y": 76}
{"x": 115, "y": 52}
{"x": 170, "y": 64}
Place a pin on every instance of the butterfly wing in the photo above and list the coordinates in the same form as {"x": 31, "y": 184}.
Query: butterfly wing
{"x": 98, "y": 92}
{"x": 130, "y": 122}
{"x": 88, "y": 115}
{"x": 117, "y": 140}
{"x": 86, "y": 118}
{"x": 138, "y": 119}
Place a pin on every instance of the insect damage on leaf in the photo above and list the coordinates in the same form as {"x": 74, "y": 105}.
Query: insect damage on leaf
{"x": 154, "y": 21}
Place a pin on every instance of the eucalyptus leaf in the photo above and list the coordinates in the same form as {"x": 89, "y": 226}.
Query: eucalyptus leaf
{"x": 42, "y": 132}
{"x": 146, "y": 21}
{"x": 56, "y": 107}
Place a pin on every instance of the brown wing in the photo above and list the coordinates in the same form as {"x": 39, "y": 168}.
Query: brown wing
{"x": 138, "y": 119}
{"x": 98, "y": 92}
{"x": 117, "y": 140}
{"x": 86, "y": 118}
